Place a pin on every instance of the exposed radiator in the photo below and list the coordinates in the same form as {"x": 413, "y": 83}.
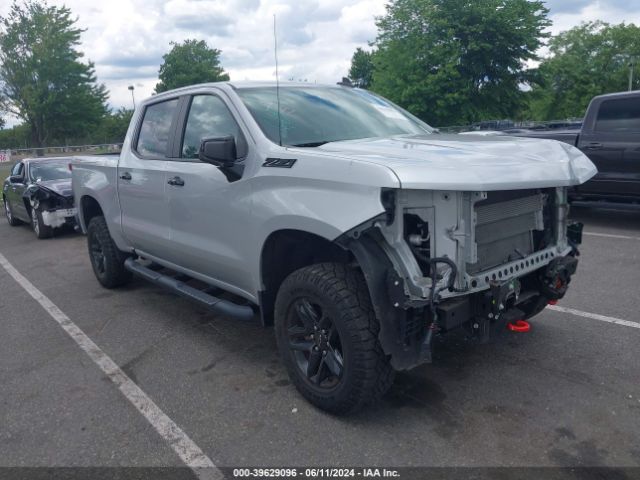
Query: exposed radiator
{"x": 504, "y": 230}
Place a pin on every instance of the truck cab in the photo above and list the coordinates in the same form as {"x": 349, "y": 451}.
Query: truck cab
{"x": 610, "y": 137}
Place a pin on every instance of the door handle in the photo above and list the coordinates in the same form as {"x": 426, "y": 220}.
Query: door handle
{"x": 594, "y": 146}
{"x": 176, "y": 182}
{"x": 125, "y": 176}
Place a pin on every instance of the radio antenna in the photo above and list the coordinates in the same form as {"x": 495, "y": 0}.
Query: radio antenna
{"x": 275, "y": 52}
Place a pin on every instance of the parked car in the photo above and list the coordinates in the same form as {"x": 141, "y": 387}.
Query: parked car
{"x": 610, "y": 137}
{"x": 337, "y": 216}
{"x": 38, "y": 192}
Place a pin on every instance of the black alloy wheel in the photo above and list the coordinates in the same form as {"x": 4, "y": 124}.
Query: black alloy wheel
{"x": 314, "y": 340}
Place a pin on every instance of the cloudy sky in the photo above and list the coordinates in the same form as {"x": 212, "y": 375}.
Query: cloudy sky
{"x": 316, "y": 38}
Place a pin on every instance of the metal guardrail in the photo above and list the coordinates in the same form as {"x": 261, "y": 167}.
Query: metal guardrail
{"x": 66, "y": 150}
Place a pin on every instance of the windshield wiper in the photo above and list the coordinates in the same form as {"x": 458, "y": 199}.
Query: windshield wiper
{"x": 311, "y": 144}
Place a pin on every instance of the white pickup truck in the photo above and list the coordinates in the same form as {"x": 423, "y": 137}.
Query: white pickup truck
{"x": 351, "y": 225}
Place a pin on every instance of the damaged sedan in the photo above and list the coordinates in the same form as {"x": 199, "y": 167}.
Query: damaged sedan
{"x": 38, "y": 192}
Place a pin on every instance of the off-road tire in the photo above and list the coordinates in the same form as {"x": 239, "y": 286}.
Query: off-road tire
{"x": 367, "y": 373}
{"x": 11, "y": 220}
{"x": 109, "y": 269}
{"x": 41, "y": 230}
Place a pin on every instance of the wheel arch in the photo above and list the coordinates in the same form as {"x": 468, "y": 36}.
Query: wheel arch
{"x": 27, "y": 205}
{"x": 89, "y": 208}
{"x": 285, "y": 251}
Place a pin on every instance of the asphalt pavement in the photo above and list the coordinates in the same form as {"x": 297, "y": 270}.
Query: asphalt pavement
{"x": 565, "y": 394}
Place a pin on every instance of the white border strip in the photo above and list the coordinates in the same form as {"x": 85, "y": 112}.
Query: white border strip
{"x": 594, "y": 316}
{"x": 610, "y": 235}
{"x": 192, "y": 456}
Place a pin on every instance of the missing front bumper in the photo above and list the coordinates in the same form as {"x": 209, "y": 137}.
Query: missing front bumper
{"x": 58, "y": 218}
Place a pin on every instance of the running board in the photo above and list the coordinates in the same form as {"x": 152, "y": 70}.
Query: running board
{"x": 215, "y": 304}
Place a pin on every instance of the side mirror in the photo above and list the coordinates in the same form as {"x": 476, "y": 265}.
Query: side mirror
{"x": 16, "y": 179}
{"x": 218, "y": 151}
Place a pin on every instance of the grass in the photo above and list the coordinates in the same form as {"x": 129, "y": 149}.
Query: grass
{"x": 5, "y": 168}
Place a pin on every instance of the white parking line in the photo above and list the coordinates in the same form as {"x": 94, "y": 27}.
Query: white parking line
{"x": 610, "y": 235}
{"x": 178, "y": 440}
{"x": 594, "y": 316}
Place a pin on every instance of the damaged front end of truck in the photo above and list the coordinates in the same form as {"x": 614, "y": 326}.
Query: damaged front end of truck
{"x": 479, "y": 260}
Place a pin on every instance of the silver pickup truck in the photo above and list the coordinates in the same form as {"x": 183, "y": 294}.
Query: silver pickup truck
{"x": 353, "y": 227}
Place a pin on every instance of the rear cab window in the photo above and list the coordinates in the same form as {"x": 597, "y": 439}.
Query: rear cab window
{"x": 620, "y": 115}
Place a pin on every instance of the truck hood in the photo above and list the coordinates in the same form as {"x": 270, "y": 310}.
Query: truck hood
{"x": 471, "y": 162}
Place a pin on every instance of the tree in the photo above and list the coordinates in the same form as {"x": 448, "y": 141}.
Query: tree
{"x": 115, "y": 125}
{"x": 189, "y": 63}
{"x": 457, "y": 61}
{"x": 588, "y": 60}
{"x": 42, "y": 78}
{"x": 15, "y": 137}
{"x": 361, "y": 71}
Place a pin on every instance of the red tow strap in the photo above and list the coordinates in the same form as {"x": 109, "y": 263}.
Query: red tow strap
{"x": 519, "y": 326}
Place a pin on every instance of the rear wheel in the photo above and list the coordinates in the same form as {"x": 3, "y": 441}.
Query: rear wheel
{"x": 9, "y": 214}
{"x": 106, "y": 260}
{"x": 327, "y": 335}
{"x": 40, "y": 229}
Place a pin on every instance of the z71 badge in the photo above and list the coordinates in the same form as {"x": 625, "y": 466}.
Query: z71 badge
{"x": 279, "y": 162}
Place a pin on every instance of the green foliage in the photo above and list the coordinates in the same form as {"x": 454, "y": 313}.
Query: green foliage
{"x": 189, "y": 63}
{"x": 361, "y": 71}
{"x": 114, "y": 127}
{"x": 457, "y": 61}
{"x": 42, "y": 78}
{"x": 587, "y": 60}
{"x": 16, "y": 137}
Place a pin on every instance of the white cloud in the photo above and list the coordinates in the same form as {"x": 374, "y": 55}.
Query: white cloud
{"x": 316, "y": 38}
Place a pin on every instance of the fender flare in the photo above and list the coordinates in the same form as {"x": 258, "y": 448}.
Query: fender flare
{"x": 377, "y": 270}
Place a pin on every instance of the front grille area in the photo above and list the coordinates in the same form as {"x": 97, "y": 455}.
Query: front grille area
{"x": 505, "y": 223}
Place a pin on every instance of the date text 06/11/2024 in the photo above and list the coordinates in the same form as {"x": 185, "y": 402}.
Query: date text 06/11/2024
{"x": 315, "y": 472}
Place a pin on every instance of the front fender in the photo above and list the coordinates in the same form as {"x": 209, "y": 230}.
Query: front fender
{"x": 325, "y": 209}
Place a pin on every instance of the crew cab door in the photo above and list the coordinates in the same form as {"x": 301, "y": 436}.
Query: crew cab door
{"x": 15, "y": 190}
{"x": 612, "y": 142}
{"x": 209, "y": 213}
{"x": 141, "y": 179}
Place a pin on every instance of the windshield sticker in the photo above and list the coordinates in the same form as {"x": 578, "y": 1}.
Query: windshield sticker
{"x": 390, "y": 112}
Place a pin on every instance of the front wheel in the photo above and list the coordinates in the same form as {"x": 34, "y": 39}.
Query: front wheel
{"x": 39, "y": 228}
{"x": 327, "y": 334}
{"x": 106, "y": 260}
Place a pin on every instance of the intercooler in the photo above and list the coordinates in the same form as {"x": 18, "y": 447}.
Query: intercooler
{"x": 505, "y": 222}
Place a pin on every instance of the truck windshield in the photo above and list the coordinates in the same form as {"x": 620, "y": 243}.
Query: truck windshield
{"x": 313, "y": 116}
{"x": 49, "y": 171}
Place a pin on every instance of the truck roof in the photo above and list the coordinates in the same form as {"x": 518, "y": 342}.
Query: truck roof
{"x": 238, "y": 84}
{"x": 632, "y": 93}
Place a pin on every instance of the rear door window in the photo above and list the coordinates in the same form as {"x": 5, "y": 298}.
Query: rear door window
{"x": 155, "y": 130}
{"x": 619, "y": 116}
